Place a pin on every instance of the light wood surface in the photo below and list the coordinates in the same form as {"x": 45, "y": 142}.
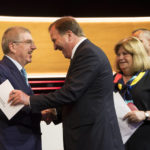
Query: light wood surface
{"x": 104, "y": 32}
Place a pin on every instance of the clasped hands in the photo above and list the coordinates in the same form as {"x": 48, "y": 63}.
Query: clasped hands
{"x": 48, "y": 115}
{"x": 17, "y": 97}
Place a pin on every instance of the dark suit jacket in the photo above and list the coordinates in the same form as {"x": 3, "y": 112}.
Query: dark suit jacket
{"x": 22, "y": 132}
{"x": 88, "y": 114}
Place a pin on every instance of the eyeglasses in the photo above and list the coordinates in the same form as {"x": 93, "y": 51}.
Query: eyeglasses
{"x": 30, "y": 42}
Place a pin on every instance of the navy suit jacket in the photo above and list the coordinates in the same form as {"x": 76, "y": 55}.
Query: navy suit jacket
{"x": 22, "y": 132}
{"x": 88, "y": 113}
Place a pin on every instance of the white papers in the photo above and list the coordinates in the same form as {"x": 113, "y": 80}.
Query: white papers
{"x": 9, "y": 111}
{"x": 126, "y": 129}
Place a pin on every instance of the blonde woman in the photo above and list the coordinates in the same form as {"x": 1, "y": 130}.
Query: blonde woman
{"x": 132, "y": 81}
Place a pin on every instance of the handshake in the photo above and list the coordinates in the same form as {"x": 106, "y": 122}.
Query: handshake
{"x": 49, "y": 115}
{"x": 17, "y": 97}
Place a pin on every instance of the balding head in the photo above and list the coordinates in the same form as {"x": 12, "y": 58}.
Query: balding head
{"x": 10, "y": 35}
{"x": 144, "y": 36}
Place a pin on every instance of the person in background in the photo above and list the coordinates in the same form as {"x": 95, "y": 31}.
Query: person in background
{"x": 132, "y": 81}
{"x": 144, "y": 36}
{"x": 88, "y": 113}
{"x": 22, "y": 132}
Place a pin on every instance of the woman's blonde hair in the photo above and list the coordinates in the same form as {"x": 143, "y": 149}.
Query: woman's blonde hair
{"x": 134, "y": 46}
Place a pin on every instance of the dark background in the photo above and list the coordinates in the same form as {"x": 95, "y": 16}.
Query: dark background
{"x": 76, "y": 8}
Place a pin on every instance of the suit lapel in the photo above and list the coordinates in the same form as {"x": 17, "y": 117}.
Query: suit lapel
{"x": 72, "y": 61}
{"x": 16, "y": 76}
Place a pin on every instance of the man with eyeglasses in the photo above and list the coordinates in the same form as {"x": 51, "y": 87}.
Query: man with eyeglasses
{"x": 22, "y": 132}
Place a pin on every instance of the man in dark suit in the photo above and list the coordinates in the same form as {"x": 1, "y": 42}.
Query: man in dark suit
{"x": 22, "y": 132}
{"x": 88, "y": 114}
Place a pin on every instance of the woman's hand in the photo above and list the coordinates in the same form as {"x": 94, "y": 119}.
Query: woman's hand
{"x": 135, "y": 116}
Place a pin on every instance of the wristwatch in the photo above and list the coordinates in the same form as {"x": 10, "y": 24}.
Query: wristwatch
{"x": 146, "y": 115}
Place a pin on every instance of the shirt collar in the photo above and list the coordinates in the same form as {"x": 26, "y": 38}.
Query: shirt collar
{"x": 15, "y": 62}
{"x": 76, "y": 46}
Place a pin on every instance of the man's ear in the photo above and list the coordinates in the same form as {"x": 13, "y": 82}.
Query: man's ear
{"x": 12, "y": 46}
{"x": 70, "y": 34}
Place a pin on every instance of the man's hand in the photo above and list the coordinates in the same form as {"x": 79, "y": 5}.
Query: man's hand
{"x": 17, "y": 97}
{"x": 48, "y": 115}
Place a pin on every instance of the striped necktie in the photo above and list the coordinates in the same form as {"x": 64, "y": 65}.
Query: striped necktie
{"x": 24, "y": 74}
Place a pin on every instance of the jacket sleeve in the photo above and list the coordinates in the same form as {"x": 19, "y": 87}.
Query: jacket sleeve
{"x": 83, "y": 71}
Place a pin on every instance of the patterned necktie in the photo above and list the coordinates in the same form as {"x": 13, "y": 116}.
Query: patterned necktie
{"x": 24, "y": 74}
